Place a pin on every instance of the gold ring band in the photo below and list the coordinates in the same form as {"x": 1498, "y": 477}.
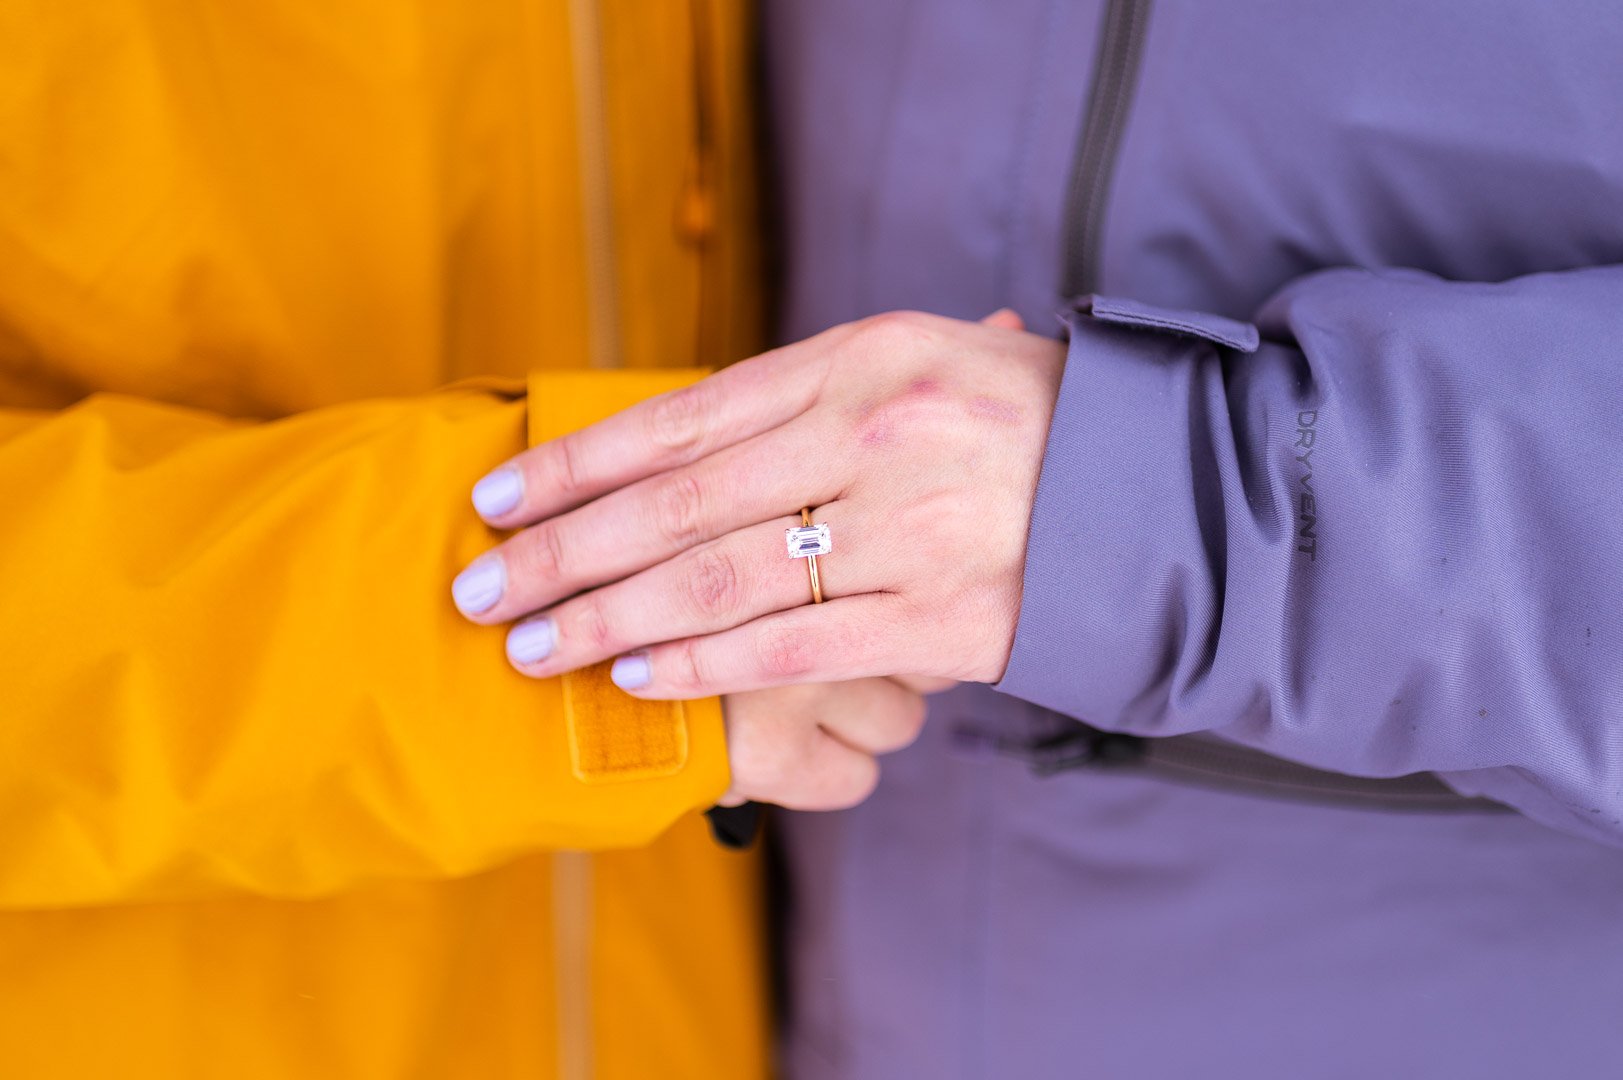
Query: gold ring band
{"x": 811, "y": 560}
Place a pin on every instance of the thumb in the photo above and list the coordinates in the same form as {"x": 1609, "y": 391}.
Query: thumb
{"x": 924, "y": 684}
{"x": 1005, "y": 319}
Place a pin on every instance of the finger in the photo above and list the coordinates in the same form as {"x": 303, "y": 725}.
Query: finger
{"x": 1005, "y": 319}
{"x": 846, "y": 638}
{"x": 924, "y": 684}
{"x": 876, "y": 716}
{"x": 673, "y": 429}
{"x": 779, "y": 754}
{"x": 718, "y": 585}
{"x": 825, "y": 774}
{"x": 652, "y": 520}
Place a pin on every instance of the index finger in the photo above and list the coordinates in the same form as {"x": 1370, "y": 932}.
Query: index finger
{"x": 656, "y": 435}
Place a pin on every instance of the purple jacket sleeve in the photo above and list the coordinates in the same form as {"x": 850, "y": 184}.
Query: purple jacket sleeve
{"x": 1388, "y": 539}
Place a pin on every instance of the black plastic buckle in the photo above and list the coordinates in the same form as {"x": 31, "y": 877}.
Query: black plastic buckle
{"x": 735, "y": 827}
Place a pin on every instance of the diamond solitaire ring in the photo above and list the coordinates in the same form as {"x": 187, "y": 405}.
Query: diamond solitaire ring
{"x": 807, "y": 542}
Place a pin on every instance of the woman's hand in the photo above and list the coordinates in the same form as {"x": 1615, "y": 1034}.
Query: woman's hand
{"x": 657, "y": 535}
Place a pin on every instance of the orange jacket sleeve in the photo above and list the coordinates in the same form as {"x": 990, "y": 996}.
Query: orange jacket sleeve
{"x": 229, "y": 658}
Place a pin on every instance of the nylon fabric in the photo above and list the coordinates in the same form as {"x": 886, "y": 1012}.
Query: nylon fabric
{"x": 272, "y": 280}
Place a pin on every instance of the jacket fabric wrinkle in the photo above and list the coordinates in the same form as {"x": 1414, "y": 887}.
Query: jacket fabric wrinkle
{"x": 1358, "y": 292}
{"x": 278, "y": 283}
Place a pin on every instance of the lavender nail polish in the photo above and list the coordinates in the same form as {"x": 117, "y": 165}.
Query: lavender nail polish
{"x": 631, "y": 671}
{"x": 499, "y": 492}
{"x": 532, "y": 641}
{"x": 478, "y": 587}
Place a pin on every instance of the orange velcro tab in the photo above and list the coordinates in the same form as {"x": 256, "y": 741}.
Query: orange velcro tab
{"x": 612, "y": 735}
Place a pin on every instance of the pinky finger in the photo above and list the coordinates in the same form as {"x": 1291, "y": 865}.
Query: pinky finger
{"x": 847, "y": 638}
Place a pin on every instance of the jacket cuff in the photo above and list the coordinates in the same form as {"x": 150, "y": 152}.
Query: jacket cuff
{"x": 667, "y": 755}
{"x": 1117, "y": 543}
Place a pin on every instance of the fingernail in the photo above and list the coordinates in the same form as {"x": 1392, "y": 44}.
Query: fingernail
{"x": 531, "y": 641}
{"x": 478, "y": 587}
{"x": 498, "y": 492}
{"x": 631, "y": 672}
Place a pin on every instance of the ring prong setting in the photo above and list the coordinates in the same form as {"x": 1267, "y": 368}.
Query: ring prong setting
{"x": 806, "y": 541}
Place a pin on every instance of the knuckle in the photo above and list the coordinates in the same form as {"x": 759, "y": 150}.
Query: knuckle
{"x": 680, "y": 504}
{"x": 922, "y": 412}
{"x": 687, "y": 668}
{"x": 784, "y": 655}
{"x": 714, "y": 585}
{"x": 543, "y": 554}
{"x": 591, "y": 626}
{"x": 899, "y": 328}
{"x": 912, "y": 417}
{"x": 565, "y": 466}
{"x": 676, "y": 421}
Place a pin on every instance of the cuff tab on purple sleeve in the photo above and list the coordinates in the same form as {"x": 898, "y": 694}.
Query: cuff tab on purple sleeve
{"x": 1229, "y": 333}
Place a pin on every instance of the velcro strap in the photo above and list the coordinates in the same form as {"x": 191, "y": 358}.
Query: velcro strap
{"x": 612, "y": 735}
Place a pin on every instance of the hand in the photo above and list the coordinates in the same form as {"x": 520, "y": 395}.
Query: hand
{"x": 816, "y": 747}
{"x": 659, "y": 531}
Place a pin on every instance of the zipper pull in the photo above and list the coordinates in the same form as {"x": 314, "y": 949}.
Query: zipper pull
{"x": 1047, "y": 755}
{"x": 696, "y": 205}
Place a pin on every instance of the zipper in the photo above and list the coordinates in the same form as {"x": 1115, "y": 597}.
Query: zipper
{"x": 696, "y": 214}
{"x": 572, "y": 892}
{"x": 1121, "y": 44}
{"x": 572, "y": 962}
{"x": 597, "y": 196}
{"x": 1205, "y": 761}
{"x": 1192, "y": 759}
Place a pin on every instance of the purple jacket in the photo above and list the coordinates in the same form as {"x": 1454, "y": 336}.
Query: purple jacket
{"x": 1336, "y": 473}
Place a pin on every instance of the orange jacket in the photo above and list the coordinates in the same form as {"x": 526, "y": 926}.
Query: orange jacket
{"x": 268, "y": 806}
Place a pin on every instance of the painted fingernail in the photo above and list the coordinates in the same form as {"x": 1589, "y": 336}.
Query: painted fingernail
{"x": 531, "y": 641}
{"x": 631, "y": 671}
{"x": 499, "y": 492}
{"x": 478, "y": 587}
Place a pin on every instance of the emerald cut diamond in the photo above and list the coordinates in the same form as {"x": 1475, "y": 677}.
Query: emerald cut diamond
{"x": 807, "y": 540}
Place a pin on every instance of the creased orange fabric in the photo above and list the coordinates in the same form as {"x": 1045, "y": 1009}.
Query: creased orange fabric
{"x": 268, "y": 806}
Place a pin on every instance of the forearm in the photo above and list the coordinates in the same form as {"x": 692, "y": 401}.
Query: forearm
{"x": 1365, "y": 546}
{"x": 232, "y": 661}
